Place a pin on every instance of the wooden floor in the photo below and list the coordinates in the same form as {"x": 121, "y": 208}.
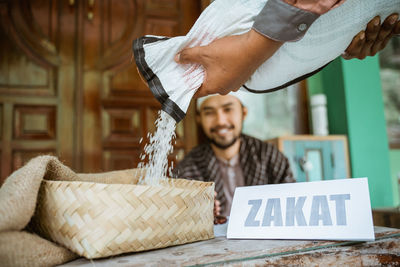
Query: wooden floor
{"x": 385, "y": 250}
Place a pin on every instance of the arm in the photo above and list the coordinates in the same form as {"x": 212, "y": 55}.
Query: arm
{"x": 187, "y": 169}
{"x": 284, "y": 174}
{"x": 190, "y": 166}
{"x": 226, "y": 69}
{"x": 230, "y": 61}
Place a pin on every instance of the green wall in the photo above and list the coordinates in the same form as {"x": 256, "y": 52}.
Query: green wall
{"x": 355, "y": 108}
{"x": 394, "y": 155}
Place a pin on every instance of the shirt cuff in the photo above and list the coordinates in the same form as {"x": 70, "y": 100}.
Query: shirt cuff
{"x": 282, "y": 22}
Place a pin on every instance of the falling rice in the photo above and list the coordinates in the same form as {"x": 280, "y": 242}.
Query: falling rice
{"x": 157, "y": 150}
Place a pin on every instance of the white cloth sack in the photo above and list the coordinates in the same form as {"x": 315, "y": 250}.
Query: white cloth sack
{"x": 175, "y": 84}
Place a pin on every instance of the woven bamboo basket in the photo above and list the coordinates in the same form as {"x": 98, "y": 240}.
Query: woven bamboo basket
{"x": 98, "y": 220}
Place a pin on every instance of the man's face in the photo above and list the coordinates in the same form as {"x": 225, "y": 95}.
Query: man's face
{"x": 222, "y": 119}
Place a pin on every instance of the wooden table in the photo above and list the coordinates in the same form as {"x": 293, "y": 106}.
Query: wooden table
{"x": 385, "y": 250}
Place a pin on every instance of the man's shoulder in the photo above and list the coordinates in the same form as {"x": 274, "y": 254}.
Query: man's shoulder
{"x": 261, "y": 150}
{"x": 256, "y": 153}
{"x": 198, "y": 153}
{"x": 253, "y": 142}
{"x": 194, "y": 163}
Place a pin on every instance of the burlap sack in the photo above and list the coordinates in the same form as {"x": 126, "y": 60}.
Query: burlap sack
{"x": 18, "y": 196}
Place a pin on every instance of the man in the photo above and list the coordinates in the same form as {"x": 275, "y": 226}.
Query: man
{"x": 228, "y": 150}
{"x": 230, "y": 158}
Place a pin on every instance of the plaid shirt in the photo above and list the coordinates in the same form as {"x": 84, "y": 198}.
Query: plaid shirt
{"x": 261, "y": 163}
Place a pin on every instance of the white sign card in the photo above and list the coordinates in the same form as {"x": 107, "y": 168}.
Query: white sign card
{"x": 323, "y": 210}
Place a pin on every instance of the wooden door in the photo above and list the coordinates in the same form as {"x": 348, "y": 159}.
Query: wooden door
{"x": 36, "y": 81}
{"x": 118, "y": 109}
{"x": 69, "y": 86}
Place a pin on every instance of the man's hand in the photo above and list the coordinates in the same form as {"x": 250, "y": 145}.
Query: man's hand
{"x": 218, "y": 219}
{"x": 374, "y": 38}
{"x": 230, "y": 61}
{"x": 217, "y": 205}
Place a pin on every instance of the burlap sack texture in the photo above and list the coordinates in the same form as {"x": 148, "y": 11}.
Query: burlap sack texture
{"x": 18, "y": 197}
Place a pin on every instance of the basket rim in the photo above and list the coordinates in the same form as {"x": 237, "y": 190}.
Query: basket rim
{"x": 186, "y": 183}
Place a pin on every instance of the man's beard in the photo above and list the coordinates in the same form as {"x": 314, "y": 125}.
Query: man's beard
{"x": 222, "y": 145}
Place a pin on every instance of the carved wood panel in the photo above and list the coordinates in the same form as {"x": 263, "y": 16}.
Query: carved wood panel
{"x": 163, "y": 27}
{"x": 34, "y": 122}
{"x": 114, "y": 159}
{"x": 122, "y": 126}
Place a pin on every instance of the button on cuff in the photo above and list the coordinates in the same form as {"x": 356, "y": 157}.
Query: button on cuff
{"x": 283, "y": 22}
{"x": 302, "y": 27}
